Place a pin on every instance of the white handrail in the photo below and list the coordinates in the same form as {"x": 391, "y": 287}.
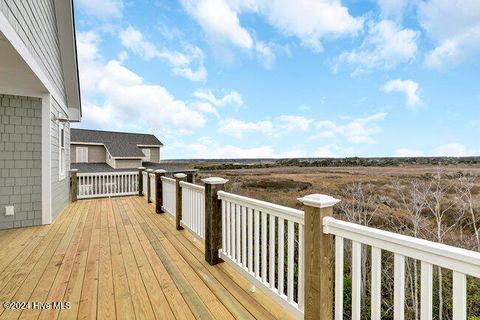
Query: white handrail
{"x": 192, "y": 186}
{"x": 169, "y": 196}
{"x": 106, "y": 184}
{"x": 290, "y": 214}
{"x": 462, "y": 262}
{"x": 259, "y": 240}
{"x": 193, "y": 208}
{"x": 442, "y": 255}
{"x": 152, "y": 187}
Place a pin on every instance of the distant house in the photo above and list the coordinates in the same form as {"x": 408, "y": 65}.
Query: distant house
{"x": 97, "y": 151}
{"x": 39, "y": 97}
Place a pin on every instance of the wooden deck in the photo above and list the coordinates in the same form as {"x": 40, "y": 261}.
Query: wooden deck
{"x": 116, "y": 258}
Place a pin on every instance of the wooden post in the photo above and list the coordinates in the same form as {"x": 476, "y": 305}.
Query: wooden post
{"x": 178, "y": 191}
{"x": 213, "y": 219}
{"x": 191, "y": 177}
{"x": 74, "y": 186}
{"x": 149, "y": 189}
{"x": 319, "y": 257}
{"x": 159, "y": 190}
{"x": 140, "y": 181}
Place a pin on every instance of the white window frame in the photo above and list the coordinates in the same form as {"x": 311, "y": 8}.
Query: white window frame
{"x": 85, "y": 149}
{"x": 62, "y": 152}
{"x": 148, "y": 154}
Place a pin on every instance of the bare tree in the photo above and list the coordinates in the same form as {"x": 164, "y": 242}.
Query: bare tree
{"x": 359, "y": 206}
{"x": 412, "y": 201}
{"x": 469, "y": 205}
{"x": 439, "y": 204}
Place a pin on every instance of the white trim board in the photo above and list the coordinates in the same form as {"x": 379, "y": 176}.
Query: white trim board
{"x": 46, "y": 161}
{"x": 12, "y": 36}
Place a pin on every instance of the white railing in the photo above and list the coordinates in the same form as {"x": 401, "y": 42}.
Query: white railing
{"x": 169, "y": 195}
{"x": 153, "y": 188}
{"x": 144, "y": 183}
{"x": 107, "y": 184}
{"x": 461, "y": 262}
{"x": 264, "y": 242}
{"x": 193, "y": 208}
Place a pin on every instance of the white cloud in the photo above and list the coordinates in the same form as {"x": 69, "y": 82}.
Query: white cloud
{"x": 288, "y": 123}
{"x": 181, "y": 63}
{"x": 104, "y": 9}
{"x": 356, "y": 131}
{"x": 404, "y": 152}
{"x": 333, "y": 151}
{"x": 309, "y": 20}
{"x": 266, "y": 54}
{"x": 455, "y": 41}
{"x": 219, "y": 21}
{"x": 455, "y": 150}
{"x": 230, "y": 98}
{"x": 280, "y": 125}
{"x": 207, "y": 148}
{"x": 385, "y": 46}
{"x": 117, "y": 98}
{"x": 407, "y": 87}
{"x": 392, "y": 9}
{"x": 238, "y": 128}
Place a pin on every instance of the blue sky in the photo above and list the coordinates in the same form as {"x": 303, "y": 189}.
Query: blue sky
{"x": 284, "y": 78}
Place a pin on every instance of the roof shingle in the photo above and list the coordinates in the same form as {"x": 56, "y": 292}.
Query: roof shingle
{"x": 118, "y": 144}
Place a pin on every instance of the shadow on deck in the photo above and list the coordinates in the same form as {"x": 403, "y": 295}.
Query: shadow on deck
{"x": 116, "y": 258}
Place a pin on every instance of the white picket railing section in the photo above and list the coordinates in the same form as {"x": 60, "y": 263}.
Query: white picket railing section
{"x": 169, "y": 195}
{"x": 461, "y": 262}
{"x": 153, "y": 189}
{"x": 193, "y": 208}
{"x": 144, "y": 183}
{"x": 106, "y": 184}
{"x": 254, "y": 234}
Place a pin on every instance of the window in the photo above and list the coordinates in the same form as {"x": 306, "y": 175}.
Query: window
{"x": 82, "y": 154}
{"x": 62, "y": 159}
{"x": 146, "y": 152}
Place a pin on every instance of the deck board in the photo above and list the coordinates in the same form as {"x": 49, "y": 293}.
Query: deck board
{"x": 117, "y": 259}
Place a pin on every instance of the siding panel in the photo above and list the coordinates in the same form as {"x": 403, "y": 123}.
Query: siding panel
{"x": 35, "y": 23}
{"x": 60, "y": 188}
{"x": 20, "y": 160}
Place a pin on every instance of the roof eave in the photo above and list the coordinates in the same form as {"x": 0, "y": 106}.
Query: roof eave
{"x": 68, "y": 51}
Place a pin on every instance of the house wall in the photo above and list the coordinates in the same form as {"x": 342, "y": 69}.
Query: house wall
{"x": 96, "y": 154}
{"x": 110, "y": 161}
{"x": 35, "y": 23}
{"x": 20, "y": 160}
{"x": 127, "y": 163}
{"x": 60, "y": 187}
{"x": 154, "y": 154}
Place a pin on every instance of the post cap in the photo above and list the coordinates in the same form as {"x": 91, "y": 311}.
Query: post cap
{"x": 160, "y": 171}
{"x": 318, "y": 200}
{"x": 214, "y": 180}
{"x": 141, "y": 168}
{"x": 73, "y": 170}
{"x": 149, "y": 170}
{"x": 180, "y": 175}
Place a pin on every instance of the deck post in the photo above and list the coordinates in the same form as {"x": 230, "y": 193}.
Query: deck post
{"x": 140, "y": 181}
{"x": 178, "y": 191}
{"x": 74, "y": 185}
{"x": 149, "y": 189}
{"x": 318, "y": 258}
{"x": 191, "y": 177}
{"x": 213, "y": 219}
{"x": 159, "y": 190}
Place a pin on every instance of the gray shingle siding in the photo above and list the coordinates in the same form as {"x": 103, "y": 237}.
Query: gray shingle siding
{"x": 35, "y": 23}
{"x": 60, "y": 188}
{"x": 20, "y": 160}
